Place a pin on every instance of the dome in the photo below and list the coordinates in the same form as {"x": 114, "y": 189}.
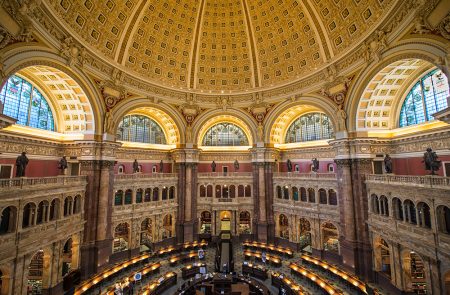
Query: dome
{"x": 220, "y": 46}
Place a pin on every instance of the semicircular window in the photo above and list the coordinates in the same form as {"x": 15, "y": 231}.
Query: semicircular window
{"x": 309, "y": 127}
{"x": 22, "y": 101}
{"x": 427, "y": 96}
{"x": 225, "y": 134}
{"x": 138, "y": 128}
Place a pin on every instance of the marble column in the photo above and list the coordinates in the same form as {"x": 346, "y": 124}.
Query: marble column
{"x": 97, "y": 243}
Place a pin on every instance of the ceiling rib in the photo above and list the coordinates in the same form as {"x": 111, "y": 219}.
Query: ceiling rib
{"x": 251, "y": 39}
{"x": 195, "y": 48}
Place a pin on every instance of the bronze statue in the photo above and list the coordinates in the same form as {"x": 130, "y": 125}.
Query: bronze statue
{"x": 431, "y": 161}
{"x": 388, "y": 164}
{"x": 236, "y": 165}
{"x": 315, "y": 165}
{"x": 62, "y": 164}
{"x": 135, "y": 166}
{"x": 289, "y": 165}
{"x": 21, "y": 164}
{"x": 161, "y": 166}
{"x": 213, "y": 166}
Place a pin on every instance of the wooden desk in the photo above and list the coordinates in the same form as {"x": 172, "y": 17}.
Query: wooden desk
{"x": 160, "y": 285}
{"x": 284, "y": 251}
{"x": 272, "y": 259}
{"x": 257, "y": 271}
{"x": 183, "y": 258}
{"x": 191, "y": 270}
{"x": 351, "y": 281}
{"x": 314, "y": 278}
{"x": 280, "y": 280}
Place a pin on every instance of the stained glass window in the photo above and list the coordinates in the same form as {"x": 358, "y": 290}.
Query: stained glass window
{"x": 309, "y": 127}
{"x": 138, "y": 128}
{"x": 22, "y": 101}
{"x": 225, "y": 134}
{"x": 427, "y": 96}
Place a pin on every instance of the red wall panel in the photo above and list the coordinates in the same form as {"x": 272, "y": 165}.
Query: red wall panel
{"x": 36, "y": 168}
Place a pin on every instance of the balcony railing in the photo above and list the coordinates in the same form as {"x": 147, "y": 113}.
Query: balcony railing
{"x": 410, "y": 180}
{"x": 305, "y": 175}
{"x": 225, "y": 174}
{"x": 144, "y": 176}
{"x": 25, "y": 182}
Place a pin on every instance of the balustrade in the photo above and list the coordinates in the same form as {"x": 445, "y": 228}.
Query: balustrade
{"x": 225, "y": 174}
{"x": 410, "y": 180}
{"x": 27, "y": 182}
{"x": 304, "y": 175}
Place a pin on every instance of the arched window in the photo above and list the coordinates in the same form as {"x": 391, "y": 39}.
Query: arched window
{"x": 8, "y": 220}
{"x": 147, "y": 196}
{"x": 295, "y": 193}
{"x": 286, "y": 192}
{"x": 427, "y": 96}
{"x": 398, "y": 208}
{"x": 309, "y": 127}
{"x": 332, "y": 197}
{"x": 138, "y": 128}
{"x": 165, "y": 193}
{"x": 311, "y": 195}
{"x": 424, "y": 215}
{"x": 172, "y": 192}
{"x": 68, "y": 203}
{"x": 225, "y": 134}
{"x": 279, "y": 193}
{"x": 22, "y": 101}
{"x": 202, "y": 191}
{"x": 303, "y": 196}
{"x": 375, "y": 204}
{"x": 410, "y": 210}
{"x": 42, "y": 212}
{"x": 118, "y": 198}
{"x": 384, "y": 206}
{"x": 29, "y": 212}
{"x": 54, "y": 209}
{"x": 139, "y": 193}
{"x": 443, "y": 219}
{"x": 128, "y": 197}
{"x": 322, "y": 196}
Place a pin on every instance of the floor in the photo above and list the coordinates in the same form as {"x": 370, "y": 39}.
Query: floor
{"x": 239, "y": 258}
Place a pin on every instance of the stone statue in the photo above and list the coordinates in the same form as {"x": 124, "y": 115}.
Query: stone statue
{"x": 108, "y": 123}
{"x": 289, "y": 165}
{"x": 236, "y": 165}
{"x": 341, "y": 117}
{"x": 388, "y": 164}
{"x": 315, "y": 165}
{"x": 213, "y": 166}
{"x": 62, "y": 164}
{"x": 431, "y": 161}
{"x": 21, "y": 164}
{"x": 161, "y": 166}
{"x": 135, "y": 166}
{"x": 260, "y": 132}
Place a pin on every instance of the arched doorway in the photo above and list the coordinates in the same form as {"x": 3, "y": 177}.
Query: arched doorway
{"x": 244, "y": 223}
{"x": 330, "y": 237}
{"x": 305, "y": 234}
{"x": 121, "y": 238}
{"x": 205, "y": 222}
{"x": 383, "y": 258}
{"x": 36, "y": 273}
{"x": 283, "y": 227}
{"x": 225, "y": 220}
{"x": 146, "y": 236}
{"x": 8, "y": 220}
{"x": 67, "y": 257}
{"x": 414, "y": 273}
{"x": 167, "y": 226}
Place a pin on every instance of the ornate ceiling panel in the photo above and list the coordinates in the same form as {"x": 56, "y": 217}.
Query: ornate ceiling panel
{"x": 347, "y": 20}
{"x": 220, "y": 46}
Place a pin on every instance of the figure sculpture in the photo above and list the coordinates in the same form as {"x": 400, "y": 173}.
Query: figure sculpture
{"x": 388, "y": 164}
{"x": 21, "y": 164}
{"x": 161, "y": 166}
{"x": 289, "y": 165}
{"x": 213, "y": 166}
{"x": 431, "y": 161}
{"x": 315, "y": 165}
{"x": 236, "y": 165}
{"x": 135, "y": 166}
{"x": 62, "y": 164}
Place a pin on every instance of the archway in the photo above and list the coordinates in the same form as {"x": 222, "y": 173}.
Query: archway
{"x": 330, "y": 237}
{"x": 305, "y": 234}
{"x": 244, "y": 223}
{"x": 121, "y": 237}
{"x": 414, "y": 273}
{"x": 8, "y": 220}
{"x": 225, "y": 221}
{"x": 283, "y": 230}
{"x": 167, "y": 226}
{"x": 38, "y": 273}
{"x": 146, "y": 236}
{"x": 205, "y": 222}
{"x": 382, "y": 257}
{"x": 67, "y": 257}
{"x": 5, "y": 280}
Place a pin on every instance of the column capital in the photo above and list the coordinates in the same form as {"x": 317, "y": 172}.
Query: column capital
{"x": 355, "y": 148}
{"x": 265, "y": 154}
{"x": 185, "y": 155}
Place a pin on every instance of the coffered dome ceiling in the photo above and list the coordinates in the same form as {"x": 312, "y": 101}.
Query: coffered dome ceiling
{"x": 220, "y": 46}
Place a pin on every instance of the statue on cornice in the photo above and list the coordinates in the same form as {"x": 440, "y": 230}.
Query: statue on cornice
{"x": 289, "y": 165}
{"x": 260, "y": 132}
{"x": 431, "y": 161}
{"x": 388, "y": 164}
{"x": 315, "y": 165}
{"x": 135, "y": 166}
{"x": 236, "y": 165}
{"x": 161, "y": 166}
{"x": 213, "y": 166}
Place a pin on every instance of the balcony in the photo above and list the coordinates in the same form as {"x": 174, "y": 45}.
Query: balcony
{"x": 225, "y": 201}
{"x": 225, "y": 174}
{"x": 138, "y": 176}
{"x": 428, "y": 181}
{"x": 10, "y": 184}
{"x": 297, "y": 175}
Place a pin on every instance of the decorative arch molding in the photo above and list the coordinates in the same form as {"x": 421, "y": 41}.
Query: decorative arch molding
{"x": 35, "y": 57}
{"x": 166, "y": 116}
{"x": 281, "y": 117}
{"x": 431, "y": 52}
{"x": 235, "y": 116}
